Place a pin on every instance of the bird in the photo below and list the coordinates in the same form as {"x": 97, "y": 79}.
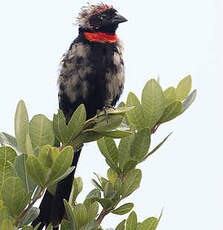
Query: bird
{"x": 91, "y": 73}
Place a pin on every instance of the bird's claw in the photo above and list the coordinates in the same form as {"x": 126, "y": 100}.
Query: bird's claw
{"x": 105, "y": 108}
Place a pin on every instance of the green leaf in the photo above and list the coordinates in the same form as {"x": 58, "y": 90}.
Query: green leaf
{"x": 61, "y": 164}
{"x": 47, "y": 155}
{"x": 121, "y": 104}
{"x": 119, "y": 110}
{"x": 116, "y": 133}
{"x": 131, "y": 182}
{"x": 29, "y": 147}
{"x": 170, "y": 96}
{"x": 7, "y": 159}
{"x": 97, "y": 185}
{"x": 76, "y": 122}
{"x": 41, "y": 131}
{"x": 109, "y": 122}
{"x": 140, "y": 144}
{"x": 52, "y": 188}
{"x": 124, "y": 150}
{"x": 80, "y": 213}
{"x": 92, "y": 211}
{"x": 153, "y": 102}
{"x": 91, "y": 197}
{"x": 129, "y": 166}
{"x": 109, "y": 150}
{"x": 104, "y": 181}
{"x": 118, "y": 186}
{"x": 93, "y": 225}
{"x": 7, "y": 225}
{"x": 85, "y": 137}
{"x": 15, "y": 200}
{"x": 6, "y": 171}
{"x": 21, "y": 125}
{"x": 65, "y": 225}
{"x": 36, "y": 171}
{"x": 68, "y": 171}
{"x": 135, "y": 116}
{"x": 93, "y": 194}
{"x": 125, "y": 208}
{"x": 171, "y": 111}
{"x": 183, "y": 88}
{"x": 121, "y": 226}
{"x": 148, "y": 224}
{"x": 157, "y": 147}
{"x": 4, "y": 214}
{"x": 60, "y": 127}
{"x": 36, "y": 227}
{"x": 49, "y": 227}
{"x": 8, "y": 154}
{"x": 31, "y": 215}
{"x": 189, "y": 100}
{"x": 109, "y": 192}
{"x": 53, "y": 153}
{"x": 6, "y": 139}
{"x": 21, "y": 172}
{"x": 105, "y": 202}
{"x": 76, "y": 188}
{"x": 112, "y": 175}
{"x": 71, "y": 215}
{"x": 131, "y": 222}
{"x": 29, "y": 227}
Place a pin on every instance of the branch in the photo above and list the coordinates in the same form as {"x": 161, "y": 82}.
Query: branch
{"x": 22, "y": 215}
{"x": 102, "y": 215}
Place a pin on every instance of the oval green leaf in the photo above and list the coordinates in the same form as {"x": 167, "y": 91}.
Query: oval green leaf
{"x": 7, "y": 159}
{"x": 171, "y": 111}
{"x": 122, "y": 210}
{"x": 140, "y": 144}
{"x": 41, "y": 131}
{"x": 36, "y": 171}
{"x": 21, "y": 171}
{"x": 170, "y": 95}
{"x": 76, "y": 122}
{"x": 153, "y": 102}
{"x": 15, "y": 200}
{"x": 61, "y": 164}
{"x": 189, "y": 100}
{"x": 21, "y": 125}
{"x": 131, "y": 222}
{"x": 131, "y": 182}
{"x": 135, "y": 116}
{"x": 183, "y": 88}
{"x": 148, "y": 224}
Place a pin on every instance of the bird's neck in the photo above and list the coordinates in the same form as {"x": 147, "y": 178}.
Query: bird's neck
{"x": 105, "y": 35}
{"x": 100, "y": 37}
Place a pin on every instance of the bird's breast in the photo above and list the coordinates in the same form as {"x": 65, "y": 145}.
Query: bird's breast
{"x": 93, "y": 75}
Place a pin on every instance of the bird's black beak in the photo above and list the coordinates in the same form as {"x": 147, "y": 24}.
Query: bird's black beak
{"x": 118, "y": 19}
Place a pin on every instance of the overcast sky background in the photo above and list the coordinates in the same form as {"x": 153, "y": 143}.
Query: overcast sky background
{"x": 169, "y": 39}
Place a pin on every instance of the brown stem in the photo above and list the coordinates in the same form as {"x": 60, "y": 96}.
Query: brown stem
{"x": 102, "y": 215}
{"x": 155, "y": 128}
{"x": 37, "y": 196}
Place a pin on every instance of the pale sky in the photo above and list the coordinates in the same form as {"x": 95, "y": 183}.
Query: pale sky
{"x": 169, "y": 39}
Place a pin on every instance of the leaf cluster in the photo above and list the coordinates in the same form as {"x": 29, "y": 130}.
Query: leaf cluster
{"x": 41, "y": 153}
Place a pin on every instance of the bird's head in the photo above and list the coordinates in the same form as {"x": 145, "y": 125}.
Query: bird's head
{"x": 99, "y": 18}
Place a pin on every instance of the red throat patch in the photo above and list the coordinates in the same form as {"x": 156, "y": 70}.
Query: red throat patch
{"x": 100, "y": 37}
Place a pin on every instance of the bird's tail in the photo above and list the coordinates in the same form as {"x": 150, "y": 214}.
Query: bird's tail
{"x": 52, "y": 208}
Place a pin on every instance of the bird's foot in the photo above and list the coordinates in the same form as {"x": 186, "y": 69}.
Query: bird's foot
{"x": 106, "y": 108}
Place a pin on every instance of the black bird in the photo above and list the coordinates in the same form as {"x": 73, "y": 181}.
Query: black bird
{"x": 92, "y": 73}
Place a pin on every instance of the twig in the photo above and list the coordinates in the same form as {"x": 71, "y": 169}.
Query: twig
{"x": 155, "y": 128}
{"x": 37, "y": 196}
{"x": 102, "y": 215}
